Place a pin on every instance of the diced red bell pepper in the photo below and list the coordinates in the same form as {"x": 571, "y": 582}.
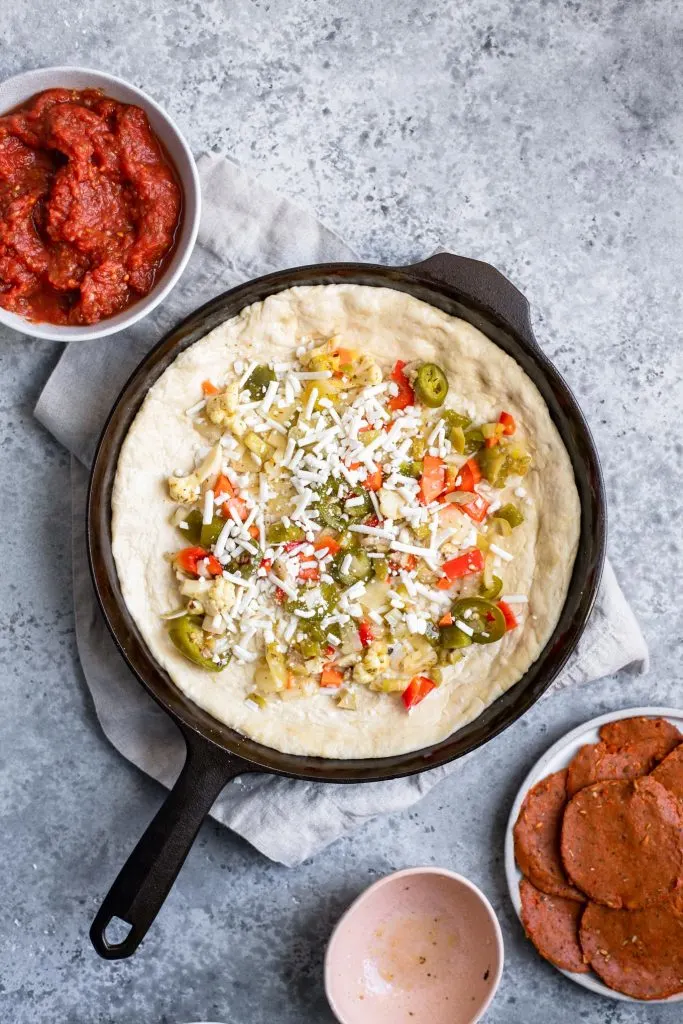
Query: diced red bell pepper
{"x": 508, "y": 615}
{"x": 463, "y": 565}
{"x": 214, "y": 566}
{"x": 373, "y": 481}
{"x": 291, "y": 544}
{"x": 327, "y": 543}
{"x": 188, "y": 560}
{"x": 280, "y": 596}
{"x": 476, "y": 509}
{"x": 468, "y": 475}
{"x": 223, "y": 486}
{"x": 331, "y": 676}
{"x": 266, "y": 564}
{"x": 238, "y": 505}
{"x": 491, "y": 442}
{"x": 418, "y": 688}
{"x": 433, "y": 479}
{"x": 366, "y": 633}
{"x": 254, "y": 531}
{"x": 372, "y": 521}
{"x": 311, "y": 573}
{"x": 446, "y": 620}
{"x": 408, "y": 562}
{"x": 406, "y": 395}
{"x": 508, "y": 421}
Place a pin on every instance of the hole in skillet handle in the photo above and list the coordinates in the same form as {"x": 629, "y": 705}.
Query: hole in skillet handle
{"x": 482, "y": 283}
{"x": 116, "y": 932}
{"x": 145, "y": 880}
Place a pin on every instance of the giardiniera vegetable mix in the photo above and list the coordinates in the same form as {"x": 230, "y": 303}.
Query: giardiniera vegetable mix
{"x": 347, "y": 529}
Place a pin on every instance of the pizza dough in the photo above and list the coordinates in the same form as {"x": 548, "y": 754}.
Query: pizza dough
{"x": 388, "y": 324}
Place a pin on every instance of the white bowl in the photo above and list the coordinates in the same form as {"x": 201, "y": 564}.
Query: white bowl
{"x": 422, "y": 944}
{"x": 14, "y": 91}
{"x": 554, "y": 760}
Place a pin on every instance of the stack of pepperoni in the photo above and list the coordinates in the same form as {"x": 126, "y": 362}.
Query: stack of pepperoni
{"x": 601, "y": 847}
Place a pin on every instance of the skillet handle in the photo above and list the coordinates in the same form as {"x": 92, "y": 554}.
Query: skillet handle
{"x": 145, "y": 880}
{"x": 482, "y": 283}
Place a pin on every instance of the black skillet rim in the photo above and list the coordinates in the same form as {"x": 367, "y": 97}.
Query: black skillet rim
{"x": 584, "y": 583}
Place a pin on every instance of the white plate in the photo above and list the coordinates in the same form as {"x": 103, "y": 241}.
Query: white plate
{"x": 558, "y": 757}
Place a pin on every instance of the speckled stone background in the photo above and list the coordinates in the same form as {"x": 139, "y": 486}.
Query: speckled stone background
{"x": 542, "y": 137}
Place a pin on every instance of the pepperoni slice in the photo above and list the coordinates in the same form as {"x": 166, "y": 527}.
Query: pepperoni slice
{"x": 552, "y": 924}
{"x": 537, "y": 837}
{"x": 669, "y": 773}
{"x": 622, "y": 844}
{"x": 627, "y": 749}
{"x": 661, "y": 733}
{"x": 637, "y": 952}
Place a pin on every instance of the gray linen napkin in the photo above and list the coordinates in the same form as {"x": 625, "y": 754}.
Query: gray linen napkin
{"x": 246, "y": 231}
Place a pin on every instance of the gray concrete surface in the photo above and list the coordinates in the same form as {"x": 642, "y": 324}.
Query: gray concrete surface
{"x": 543, "y": 137}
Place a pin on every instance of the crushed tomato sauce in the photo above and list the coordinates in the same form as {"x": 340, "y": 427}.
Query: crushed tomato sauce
{"x": 89, "y": 207}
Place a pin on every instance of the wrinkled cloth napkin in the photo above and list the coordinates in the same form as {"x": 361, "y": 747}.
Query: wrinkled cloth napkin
{"x": 246, "y": 231}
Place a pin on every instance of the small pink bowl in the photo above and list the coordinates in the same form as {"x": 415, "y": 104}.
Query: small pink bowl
{"x": 422, "y": 944}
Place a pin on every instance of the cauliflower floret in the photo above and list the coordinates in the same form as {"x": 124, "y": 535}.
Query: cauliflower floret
{"x": 375, "y": 662}
{"x": 366, "y": 371}
{"x": 184, "y": 489}
{"x": 220, "y": 598}
{"x": 221, "y": 408}
{"x": 391, "y": 504}
{"x": 419, "y": 656}
{"x": 236, "y": 425}
{"x": 464, "y": 535}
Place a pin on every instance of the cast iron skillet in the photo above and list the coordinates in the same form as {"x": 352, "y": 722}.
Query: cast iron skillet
{"x": 215, "y": 753}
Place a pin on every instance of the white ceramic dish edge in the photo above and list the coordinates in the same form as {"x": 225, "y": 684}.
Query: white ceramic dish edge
{"x": 20, "y": 88}
{"x": 403, "y": 873}
{"x": 554, "y": 759}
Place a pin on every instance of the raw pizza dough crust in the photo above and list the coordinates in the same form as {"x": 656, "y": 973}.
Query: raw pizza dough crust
{"x": 389, "y": 325}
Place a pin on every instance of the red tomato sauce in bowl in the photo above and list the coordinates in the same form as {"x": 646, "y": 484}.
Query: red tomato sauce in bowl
{"x": 89, "y": 207}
